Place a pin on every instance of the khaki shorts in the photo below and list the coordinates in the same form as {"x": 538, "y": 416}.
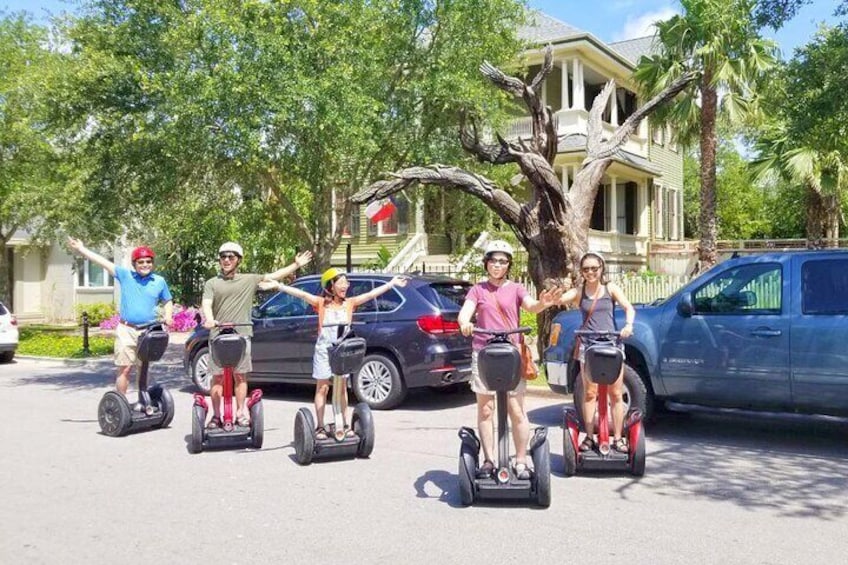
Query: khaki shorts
{"x": 126, "y": 346}
{"x": 245, "y": 364}
{"x": 479, "y": 387}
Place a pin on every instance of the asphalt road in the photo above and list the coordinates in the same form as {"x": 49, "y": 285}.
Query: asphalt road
{"x": 718, "y": 488}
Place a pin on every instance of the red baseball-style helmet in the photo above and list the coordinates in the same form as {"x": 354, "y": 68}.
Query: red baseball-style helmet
{"x": 142, "y": 251}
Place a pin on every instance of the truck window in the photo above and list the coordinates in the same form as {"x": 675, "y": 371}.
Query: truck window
{"x": 748, "y": 289}
{"x": 825, "y": 286}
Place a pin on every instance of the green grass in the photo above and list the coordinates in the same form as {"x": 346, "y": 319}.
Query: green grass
{"x": 49, "y": 341}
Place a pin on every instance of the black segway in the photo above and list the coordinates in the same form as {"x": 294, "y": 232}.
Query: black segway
{"x": 604, "y": 359}
{"x": 155, "y": 406}
{"x": 500, "y": 369}
{"x": 346, "y": 357}
{"x": 227, "y": 349}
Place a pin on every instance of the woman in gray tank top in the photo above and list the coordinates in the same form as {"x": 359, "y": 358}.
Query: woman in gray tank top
{"x": 596, "y": 299}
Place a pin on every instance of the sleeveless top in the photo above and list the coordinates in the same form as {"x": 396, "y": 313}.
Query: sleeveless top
{"x": 602, "y": 319}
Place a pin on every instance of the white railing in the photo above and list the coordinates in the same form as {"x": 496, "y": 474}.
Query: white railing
{"x": 475, "y": 249}
{"x": 414, "y": 249}
{"x": 644, "y": 290}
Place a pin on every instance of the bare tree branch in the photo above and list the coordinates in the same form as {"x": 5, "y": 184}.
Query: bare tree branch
{"x": 608, "y": 149}
{"x": 547, "y": 67}
{"x": 447, "y": 177}
{"x": 485, "y": 153}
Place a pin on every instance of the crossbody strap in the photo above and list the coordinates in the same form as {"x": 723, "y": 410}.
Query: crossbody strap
{"x": 503, "y": 315}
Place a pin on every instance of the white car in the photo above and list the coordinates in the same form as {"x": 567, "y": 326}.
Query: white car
{"x": 8, "y": 335}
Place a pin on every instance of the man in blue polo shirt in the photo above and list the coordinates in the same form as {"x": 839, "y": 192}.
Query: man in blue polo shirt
{"x": 141, "y": 292}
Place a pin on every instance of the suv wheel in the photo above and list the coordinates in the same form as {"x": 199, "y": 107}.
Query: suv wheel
{"x": 199, "y": 370}
{"x": 378, "y": 383}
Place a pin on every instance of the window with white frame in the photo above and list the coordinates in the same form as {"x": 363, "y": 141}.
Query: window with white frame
{"x": 657, "y": 134}
{"x": 659, "y": 204}
{"x": 92, "y": 275}
{"x": 671, "y": 138}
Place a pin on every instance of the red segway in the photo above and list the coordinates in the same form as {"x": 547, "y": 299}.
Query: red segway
{"x": 604, "y": 358}
{"x": 227, "y": 349}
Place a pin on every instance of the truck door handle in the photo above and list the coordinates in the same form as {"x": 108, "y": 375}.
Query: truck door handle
{"x": 764, "y": 332}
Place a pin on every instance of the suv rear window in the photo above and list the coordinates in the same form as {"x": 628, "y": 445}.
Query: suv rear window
{"x": 2, "y": 309}
{"x": 447, "y": 296}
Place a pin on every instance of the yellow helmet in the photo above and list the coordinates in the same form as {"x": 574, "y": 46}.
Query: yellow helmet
{"x": 330, "y": 275}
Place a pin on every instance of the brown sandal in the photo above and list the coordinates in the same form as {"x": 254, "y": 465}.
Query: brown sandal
{"x": 620, "y": 445}
{"x": 588, "y": 444}
{"x": 321, "y": 433}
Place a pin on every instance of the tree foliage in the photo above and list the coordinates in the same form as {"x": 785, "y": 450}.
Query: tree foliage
{"x": 288, "y": 106}
{"x": 32, "y": 175}
{"x": 719, "y": 40}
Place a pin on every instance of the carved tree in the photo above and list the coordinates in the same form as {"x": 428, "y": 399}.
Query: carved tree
{"x": 552, "y": 225}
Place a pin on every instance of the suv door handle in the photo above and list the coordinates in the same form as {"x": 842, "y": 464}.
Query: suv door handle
{"x": 765, "y": 332}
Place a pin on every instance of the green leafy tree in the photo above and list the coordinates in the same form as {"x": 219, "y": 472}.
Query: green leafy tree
{"x": 292, "y": 104}
{"x": 32, "y": 176}
{"x": 719, "y": 40}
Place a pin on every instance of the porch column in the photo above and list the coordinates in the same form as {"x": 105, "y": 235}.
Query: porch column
{"x": 613, "y": 101}
{"x": 419, "y": 215}
{"x": 565, "y": 97}
{"x": 613, "y": 204}
{"x": 644, "y": 209}
{"x": 564, "y": 174}
{"x": 577, "y": 78}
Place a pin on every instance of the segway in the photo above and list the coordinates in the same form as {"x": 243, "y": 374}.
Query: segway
{"x": 346, "y": 357}
{"x": 604, "y": 359}
{"x": 155, "y": 406}
{"x": 500, "y": 369}
{"x": 227, "y": 349}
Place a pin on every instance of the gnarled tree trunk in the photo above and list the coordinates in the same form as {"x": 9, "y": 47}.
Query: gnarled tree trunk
{"x": 552, "y": 225}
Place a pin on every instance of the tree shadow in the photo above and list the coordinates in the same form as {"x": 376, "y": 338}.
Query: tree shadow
{"x": 791, "y": 465}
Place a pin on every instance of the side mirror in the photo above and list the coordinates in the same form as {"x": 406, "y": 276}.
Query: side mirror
{"x": 255, "y": 312}
{"x": 685, "y": 306}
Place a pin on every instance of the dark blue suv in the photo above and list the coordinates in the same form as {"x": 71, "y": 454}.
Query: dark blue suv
{"x": 412, "y": 333}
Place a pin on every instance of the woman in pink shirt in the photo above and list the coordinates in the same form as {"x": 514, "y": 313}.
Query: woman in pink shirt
{"x": 496, "y": 301}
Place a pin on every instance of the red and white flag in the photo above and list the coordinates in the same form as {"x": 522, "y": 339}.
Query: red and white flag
{"x": 379, "y": 210}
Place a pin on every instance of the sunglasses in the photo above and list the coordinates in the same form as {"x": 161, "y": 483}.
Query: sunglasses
{"x": 144, "y": 261}
{"x": 228, "y": 256}
{"x": 590, "y": 269}
{"x": 499, "y": 261}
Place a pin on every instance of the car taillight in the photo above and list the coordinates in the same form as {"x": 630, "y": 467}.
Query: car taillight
{"x": 436, "y": 324}
{"x": 14, "y": 321}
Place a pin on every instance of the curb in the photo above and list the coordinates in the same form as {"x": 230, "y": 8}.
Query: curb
{"x": 93, "y": 362}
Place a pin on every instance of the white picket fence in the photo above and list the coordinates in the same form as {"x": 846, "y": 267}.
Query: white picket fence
{"x": 638, "y": 289}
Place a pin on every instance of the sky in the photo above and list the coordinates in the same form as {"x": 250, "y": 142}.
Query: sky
{"x": 608, "y": 20}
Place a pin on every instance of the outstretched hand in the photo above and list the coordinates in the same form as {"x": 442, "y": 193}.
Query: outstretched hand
{"x": 399, "y": 280}
{"x": 75, "y": 244}
{"x": 551, "y": 296}
{"x": 303, "y": 259}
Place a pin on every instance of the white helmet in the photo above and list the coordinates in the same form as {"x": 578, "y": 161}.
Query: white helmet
{"x": 594, "y": 254}
{"x": 498, "y": 246}
{"x": 231, "y": 247}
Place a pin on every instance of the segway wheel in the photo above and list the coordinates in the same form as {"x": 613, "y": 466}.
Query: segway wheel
{"x": 114, "y": 414}
{"x": 542, "y": 473}
{"x": 257, "y": 425}
{"x": 569, "y": 454}
{"x": 198, "y": 425}
{"x": 363, "y": 426}
{"x": 304, "y": 438}
{"x": 637, "y": 458}
{"x": 162, "y": 398}
{"x": 467, "y": 471}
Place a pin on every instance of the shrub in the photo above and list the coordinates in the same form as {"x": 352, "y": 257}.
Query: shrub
{"x": 97, "y": 312}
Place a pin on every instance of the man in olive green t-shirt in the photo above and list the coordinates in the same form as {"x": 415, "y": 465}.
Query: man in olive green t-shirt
{"x": 228, "y": 299}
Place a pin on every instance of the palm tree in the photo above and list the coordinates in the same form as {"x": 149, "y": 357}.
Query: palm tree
{"x": 824, "y": 176}
{"x": 719, "y": 40}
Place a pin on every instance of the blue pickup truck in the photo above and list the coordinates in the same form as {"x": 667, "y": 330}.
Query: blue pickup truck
{"x": 759, "y": 332}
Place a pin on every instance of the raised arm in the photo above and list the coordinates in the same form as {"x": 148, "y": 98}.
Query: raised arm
{"x": 299, "y": 261}
{"x": 547, "y": 298}
{"x": 570, "y": 298}
{"x": 78, "y": 247}
{"x": 312, "y": 299}
{"x": 371, "y": 295}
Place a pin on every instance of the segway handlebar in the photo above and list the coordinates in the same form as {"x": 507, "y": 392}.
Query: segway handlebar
{"x": 521, "y": 330}
{"x": 605, "y": 334}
